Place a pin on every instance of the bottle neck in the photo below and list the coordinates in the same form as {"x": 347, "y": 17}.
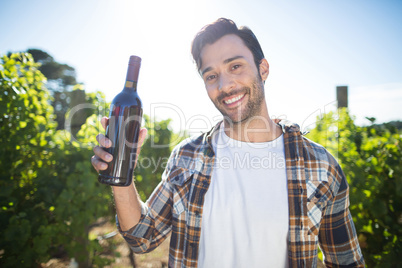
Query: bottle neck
{"x": 130, "y": 85}
{"x": 133, "y": 71}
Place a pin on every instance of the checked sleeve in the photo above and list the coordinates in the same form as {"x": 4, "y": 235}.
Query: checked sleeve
{"x": 156, "y": 218}
{"x": 337, "y": 235}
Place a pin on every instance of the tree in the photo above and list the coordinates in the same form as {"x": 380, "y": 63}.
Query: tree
{"x": 61, "y": 78}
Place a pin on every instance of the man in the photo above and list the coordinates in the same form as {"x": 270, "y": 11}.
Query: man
{"x": 248, "y": 193}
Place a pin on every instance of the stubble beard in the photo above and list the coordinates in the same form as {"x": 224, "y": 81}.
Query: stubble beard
{"x": 253, "y": 107}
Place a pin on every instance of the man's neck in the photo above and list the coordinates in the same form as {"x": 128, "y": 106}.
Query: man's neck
{"x": 261, "y": 129}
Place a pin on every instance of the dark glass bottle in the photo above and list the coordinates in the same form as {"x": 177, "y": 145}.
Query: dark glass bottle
{"x": 123, "y": 130}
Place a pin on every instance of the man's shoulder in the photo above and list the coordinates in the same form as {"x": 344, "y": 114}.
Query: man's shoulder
{"x": 186, "y": 158}
{"x": 197, "y": 142}
{"x": 190, "y": 152}
{"x": 318, "y": 162}
{"x": 311, "y": 149}
{"x": 317, "y": 151}
{"x": 192, "y": 143}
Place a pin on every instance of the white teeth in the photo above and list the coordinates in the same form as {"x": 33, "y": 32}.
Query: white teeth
{"x": 234, "y": 99}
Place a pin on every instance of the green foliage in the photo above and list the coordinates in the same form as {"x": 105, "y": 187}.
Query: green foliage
{"x": 49, "y": 194}
{"x": 81, "y": 200}
{"x": 153, "y": 157}
{"x": 26, "y": 128}
{"x": 371, "y": 158}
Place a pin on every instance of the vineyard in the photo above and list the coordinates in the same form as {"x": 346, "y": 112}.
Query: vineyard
{"x": 53, "y": 209}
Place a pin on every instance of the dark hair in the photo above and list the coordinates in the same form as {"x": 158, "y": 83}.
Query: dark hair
{"x": 214, "y": 31}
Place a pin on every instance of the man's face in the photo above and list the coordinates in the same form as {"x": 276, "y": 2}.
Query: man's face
{"x": 233, "y": 82}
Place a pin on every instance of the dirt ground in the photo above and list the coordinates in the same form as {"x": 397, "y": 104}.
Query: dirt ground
{"x": 155, "y": 259}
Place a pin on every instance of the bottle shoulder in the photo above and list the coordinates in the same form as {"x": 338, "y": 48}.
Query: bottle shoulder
{"x": 127, "y": 97}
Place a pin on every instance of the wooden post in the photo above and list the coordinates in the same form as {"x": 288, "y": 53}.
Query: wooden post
{"x": 342, "y": 96}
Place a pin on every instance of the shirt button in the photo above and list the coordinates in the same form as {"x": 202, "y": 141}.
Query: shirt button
{"x": 197, "y": 213}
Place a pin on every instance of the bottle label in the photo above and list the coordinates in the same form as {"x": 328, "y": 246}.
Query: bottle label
{"x": 129, "y": 83}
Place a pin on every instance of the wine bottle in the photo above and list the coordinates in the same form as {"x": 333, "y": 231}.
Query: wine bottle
{"x": 123, "y": 130}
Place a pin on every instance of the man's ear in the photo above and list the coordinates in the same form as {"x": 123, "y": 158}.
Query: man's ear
{"x": 264, "y": 69}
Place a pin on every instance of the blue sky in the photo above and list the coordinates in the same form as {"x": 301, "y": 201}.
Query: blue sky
{"x": 312, "y": 46}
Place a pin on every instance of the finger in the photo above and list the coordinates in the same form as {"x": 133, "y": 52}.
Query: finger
{"x": 103, "y": 141}
{"x": 143, "y": 135}
{"x": 98, "y": 164}
{"x": 104, "y": 122}
{"x": 141, "y": 139}
{"x": 102, "y": 154}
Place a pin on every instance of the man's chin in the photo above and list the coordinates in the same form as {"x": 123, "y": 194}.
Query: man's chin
{"x": 233, "y": 118}
{"x": 232, "y": 121}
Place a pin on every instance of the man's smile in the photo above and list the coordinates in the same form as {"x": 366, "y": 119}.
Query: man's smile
{"x": 233, "y": 100}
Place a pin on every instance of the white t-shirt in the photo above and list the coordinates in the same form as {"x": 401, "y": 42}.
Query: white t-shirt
{"x": 245, "y": 217}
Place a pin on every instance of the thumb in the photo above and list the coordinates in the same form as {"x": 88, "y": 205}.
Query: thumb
{"x": 142, "y": 136}
{"x": 104, "y": 122}
{"x": 141, "y": 139}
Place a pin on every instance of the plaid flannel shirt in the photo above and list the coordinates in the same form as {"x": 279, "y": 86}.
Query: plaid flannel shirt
{"x": 318, "y": 205}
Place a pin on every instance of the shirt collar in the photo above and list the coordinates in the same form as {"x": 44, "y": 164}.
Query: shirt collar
{"x": 286, "y": 125}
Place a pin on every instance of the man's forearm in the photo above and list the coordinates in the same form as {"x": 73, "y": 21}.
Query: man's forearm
{"x": 128, "y": 206}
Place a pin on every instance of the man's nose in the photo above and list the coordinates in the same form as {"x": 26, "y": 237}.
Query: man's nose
{"x": 226, "y": 82}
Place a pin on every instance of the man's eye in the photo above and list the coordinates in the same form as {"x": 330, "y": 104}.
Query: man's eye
{"x": 210, "y": 77}
{"x": 236, "y": 66}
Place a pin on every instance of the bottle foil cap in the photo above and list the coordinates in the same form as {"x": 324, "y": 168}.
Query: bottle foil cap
{"x": 134, "y": 60}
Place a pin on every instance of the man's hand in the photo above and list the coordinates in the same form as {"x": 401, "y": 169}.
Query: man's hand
{"x": 101, "y": 156}
{"x": 127, "y": 200}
